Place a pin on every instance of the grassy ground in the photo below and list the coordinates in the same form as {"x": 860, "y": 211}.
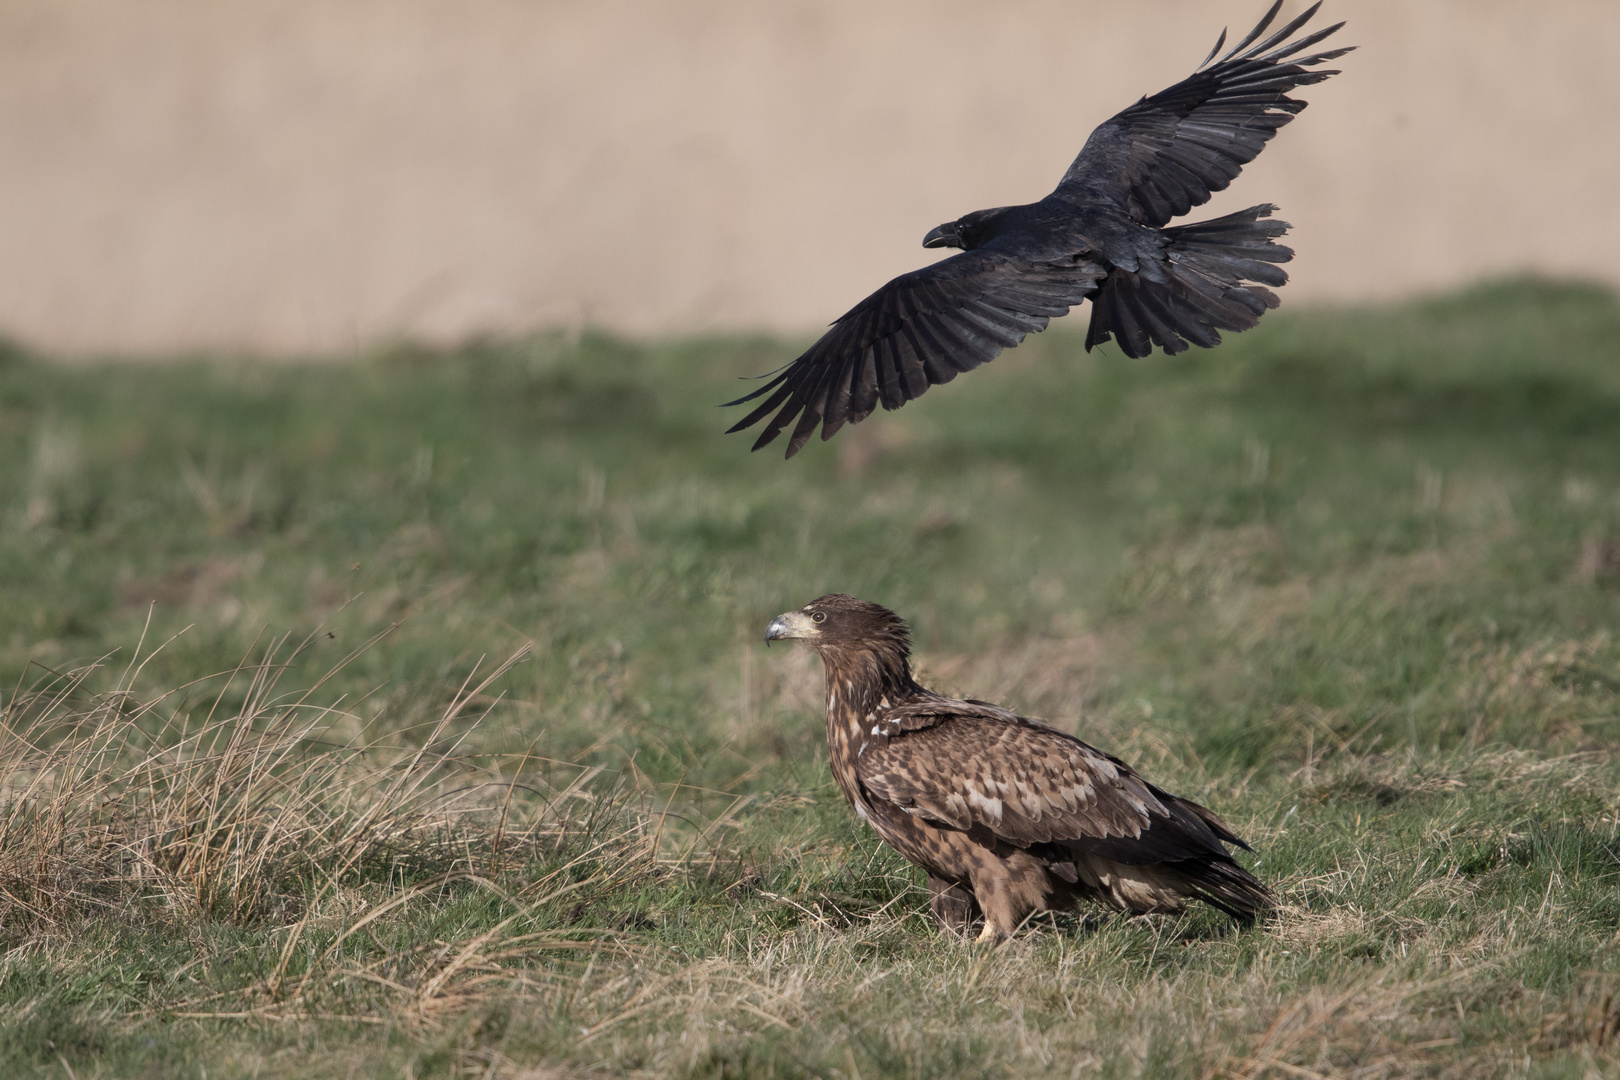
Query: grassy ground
{"x": 409, "y": 717}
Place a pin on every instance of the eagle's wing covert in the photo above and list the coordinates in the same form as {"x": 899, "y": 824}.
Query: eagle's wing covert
{"x": 964, "y": 764}
{"x": 1167, "y": 153}
{"x": 919, "y": 330}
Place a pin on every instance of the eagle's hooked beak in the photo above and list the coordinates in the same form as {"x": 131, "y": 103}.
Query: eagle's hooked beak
{"x": 944, "y": 236}
{"x": 790, "y": 624}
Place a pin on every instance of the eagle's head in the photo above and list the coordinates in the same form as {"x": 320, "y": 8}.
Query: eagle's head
{"x": 841, "y": 621}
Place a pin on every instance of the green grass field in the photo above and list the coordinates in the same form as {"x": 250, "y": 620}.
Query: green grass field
{"x": 408, "y": 716}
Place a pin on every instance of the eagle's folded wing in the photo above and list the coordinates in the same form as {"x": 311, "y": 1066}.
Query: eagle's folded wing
{"x": 919, "y": 330}
{"x": 1167, "y": 153}
{"x": 966, "y": 764}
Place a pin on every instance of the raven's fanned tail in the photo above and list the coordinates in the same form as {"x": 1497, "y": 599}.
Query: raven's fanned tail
{"x": 1214, "y": 280}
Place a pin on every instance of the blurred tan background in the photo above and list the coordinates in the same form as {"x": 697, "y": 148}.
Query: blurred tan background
{"x": 297, "y": 176}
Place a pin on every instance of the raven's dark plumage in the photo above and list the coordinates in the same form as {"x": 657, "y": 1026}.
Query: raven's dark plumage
{"x": 1100, "y": 235}
{"x": 1006, "y": 815}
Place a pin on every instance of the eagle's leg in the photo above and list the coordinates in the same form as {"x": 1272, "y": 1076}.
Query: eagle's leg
{"x": 952, "y": 904}
{"x": 1008, "y": 888}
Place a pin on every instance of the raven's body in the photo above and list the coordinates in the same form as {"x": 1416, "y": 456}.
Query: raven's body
{"x": 1103, "y": 235}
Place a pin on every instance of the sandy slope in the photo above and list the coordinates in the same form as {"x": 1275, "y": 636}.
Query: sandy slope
{"x": 317, "y": 174}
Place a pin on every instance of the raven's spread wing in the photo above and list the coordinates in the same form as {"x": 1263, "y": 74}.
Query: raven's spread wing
{"x": 964, "y": 764}
{"x": 1167, "y": 153}
{"x": 919, "y": 330}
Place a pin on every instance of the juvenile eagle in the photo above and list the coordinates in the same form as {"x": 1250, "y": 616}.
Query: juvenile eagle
{"x": 1100, "y": 235}
{"x": 1006, "y": 815}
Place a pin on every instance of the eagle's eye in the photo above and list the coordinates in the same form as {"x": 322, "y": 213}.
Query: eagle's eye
{"x": 818, "y": 616}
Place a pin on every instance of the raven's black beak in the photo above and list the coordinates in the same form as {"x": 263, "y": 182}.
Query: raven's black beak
{"x": 944, "y": 236}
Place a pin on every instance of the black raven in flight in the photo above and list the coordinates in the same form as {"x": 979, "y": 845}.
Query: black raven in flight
{"x": 1101, "y": 235}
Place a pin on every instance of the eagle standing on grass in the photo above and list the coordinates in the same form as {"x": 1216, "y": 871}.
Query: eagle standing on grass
{"x": 1006, "y": 815}
{"x": 1101, "y": 235}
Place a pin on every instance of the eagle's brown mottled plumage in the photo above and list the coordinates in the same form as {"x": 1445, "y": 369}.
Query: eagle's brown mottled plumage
{"x": 1006, "y": 815}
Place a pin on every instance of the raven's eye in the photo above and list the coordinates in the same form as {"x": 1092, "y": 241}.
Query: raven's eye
{"x": 818, "y": 616}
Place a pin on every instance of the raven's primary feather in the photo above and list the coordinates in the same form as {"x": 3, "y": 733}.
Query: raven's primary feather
{"x": 1100, "y": 235}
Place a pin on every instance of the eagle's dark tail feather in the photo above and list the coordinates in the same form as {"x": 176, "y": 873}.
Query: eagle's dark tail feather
{"x": 1214, "y": 280}
{"x": 1225, "y": 885}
